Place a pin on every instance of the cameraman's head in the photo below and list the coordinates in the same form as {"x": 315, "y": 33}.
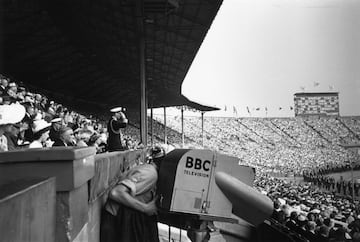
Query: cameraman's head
{"x": 156, "y": 155}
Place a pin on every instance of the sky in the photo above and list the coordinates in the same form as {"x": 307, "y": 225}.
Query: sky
{"x": 258, "y": 53}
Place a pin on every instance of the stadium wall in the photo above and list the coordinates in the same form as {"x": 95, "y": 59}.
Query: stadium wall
{"x": 42, "y": 209}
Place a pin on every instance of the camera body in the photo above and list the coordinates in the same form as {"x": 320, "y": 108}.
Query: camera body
{"x": 197, "y": 185}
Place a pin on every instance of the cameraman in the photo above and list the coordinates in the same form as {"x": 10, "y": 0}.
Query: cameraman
{"x": 130, "y": 211}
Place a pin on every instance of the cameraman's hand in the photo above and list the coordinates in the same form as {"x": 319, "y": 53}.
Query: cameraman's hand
{"x": 151, "y": 208}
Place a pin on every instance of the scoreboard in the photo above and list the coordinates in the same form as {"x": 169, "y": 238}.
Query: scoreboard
{"x": 320, "y": 103}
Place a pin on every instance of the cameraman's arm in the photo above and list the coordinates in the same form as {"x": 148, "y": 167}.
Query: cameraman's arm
{"x": 122, "y": 195}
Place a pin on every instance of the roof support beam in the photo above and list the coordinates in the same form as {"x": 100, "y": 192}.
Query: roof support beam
{"x": 143, "y": 102}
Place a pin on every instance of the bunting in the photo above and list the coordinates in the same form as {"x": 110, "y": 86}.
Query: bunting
{"x": 234, "y": 110}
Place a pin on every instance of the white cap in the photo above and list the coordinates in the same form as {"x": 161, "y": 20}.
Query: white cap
{"x": 55, "y": 120}
{"x": 117, "y": 109}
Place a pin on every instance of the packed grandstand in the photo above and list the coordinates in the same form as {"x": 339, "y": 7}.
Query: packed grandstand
{"x": 308, "y": 148}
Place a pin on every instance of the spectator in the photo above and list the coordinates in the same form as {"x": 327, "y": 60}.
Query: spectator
{"x": 12, "y": 133}
{"x": 21, "y": 94}
{"x": 56, "y": 124}
{"x": 12, "y": 90}
{"x": 66, "y": 137}
{"x": 41, "y": 130}
{"x": 95, "y": 141}
{"x": 82, "y": 137}
{"x": 4, "y": 85}
{"x": 9, "y": 114}
{"x": 323, "y": 234}
{"x": 310, "y": 234}
{"x": 43, "y": 105}
{"x": 50, "y": 114}
{"x": 28, "y": 119}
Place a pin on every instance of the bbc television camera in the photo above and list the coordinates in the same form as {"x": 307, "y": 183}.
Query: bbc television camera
{"x": 197, "y": 187}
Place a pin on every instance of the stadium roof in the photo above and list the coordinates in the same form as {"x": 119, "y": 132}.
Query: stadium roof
{"x": 85, "y": 53}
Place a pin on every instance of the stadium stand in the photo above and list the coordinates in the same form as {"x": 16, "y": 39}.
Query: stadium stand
{"x": 283, "y": 147}
{"x": 288, "y": 147}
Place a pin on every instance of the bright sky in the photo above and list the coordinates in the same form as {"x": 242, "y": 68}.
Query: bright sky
{"x": 258, "y": 53}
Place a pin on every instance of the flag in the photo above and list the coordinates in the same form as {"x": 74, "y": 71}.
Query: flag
{"x": 316, "y": 84}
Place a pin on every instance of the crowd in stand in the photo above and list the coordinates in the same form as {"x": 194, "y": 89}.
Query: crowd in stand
{"x": 290, "y": 146}
{"x": 311, "y": 213}
{"x": 48, "y": 124}
{"x": 276, "y": 145}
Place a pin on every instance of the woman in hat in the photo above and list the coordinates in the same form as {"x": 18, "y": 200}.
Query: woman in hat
{"x": 9, "y": 114}
{"x": 41, "y": 130}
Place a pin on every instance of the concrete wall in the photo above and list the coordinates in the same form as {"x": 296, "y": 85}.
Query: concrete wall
{"x": 66, "y": 207}
{"x": 27, "y": 210}
{"x": 108, "y": 170}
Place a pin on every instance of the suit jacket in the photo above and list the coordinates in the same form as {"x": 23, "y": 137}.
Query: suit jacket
{"x": 59, "y": 142}
{"x": 29, "y": 135}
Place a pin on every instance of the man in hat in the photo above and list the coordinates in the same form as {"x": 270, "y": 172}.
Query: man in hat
{"x": 12, "y": 90}
{"x": 4, "y": 84}
{"x": 28, "y": 120}
{"x": 116, "y": 123}
{"x": 21, "y": 93}
{"x": 129, "y": 212}
{"x": 12, "y": 134}
{"x": 56, "y": 124}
